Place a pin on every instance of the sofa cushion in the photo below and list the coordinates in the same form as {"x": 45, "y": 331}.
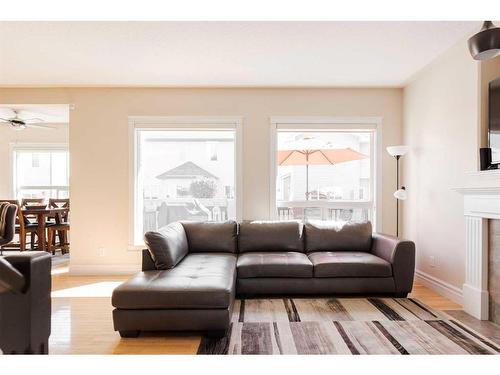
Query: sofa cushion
{"x": 349, "y": 264}
{"x": 270, "y": 236}
{"x": 270, "y": 264}
{"x": 206, "y": 237}
{"x": 168, "y": 246}
{"x": 199, "y": 281}
{"x": 338, "y": 236}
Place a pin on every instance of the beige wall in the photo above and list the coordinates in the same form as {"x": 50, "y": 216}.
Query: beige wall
{"x": 442, "y": 120}
{"x": 99, "y": 149}
{"x": 9, "y": 137}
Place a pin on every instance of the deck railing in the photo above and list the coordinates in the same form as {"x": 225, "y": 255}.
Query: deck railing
{"x": 324, "y": 210}
{"x": 160, "y": 212}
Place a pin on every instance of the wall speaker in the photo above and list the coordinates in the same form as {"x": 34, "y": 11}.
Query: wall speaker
{"x": 484, "y": 158}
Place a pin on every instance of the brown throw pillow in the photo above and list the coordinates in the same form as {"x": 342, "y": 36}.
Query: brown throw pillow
{"x": 208, "y": 237}
{"x": 270, "y": 236}
{"x": 338, "y": 236}
{"x": 168, "y": 246}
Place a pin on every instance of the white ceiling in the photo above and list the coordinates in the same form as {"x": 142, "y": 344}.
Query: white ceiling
{"x": 221, "y": 53}
{"x": 48, "y": 113}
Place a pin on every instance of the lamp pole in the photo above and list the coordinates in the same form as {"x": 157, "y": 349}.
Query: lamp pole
{"x": 307, "y": 176}
{"x": 400, "y": 193}
{"x": 397, "y": 200}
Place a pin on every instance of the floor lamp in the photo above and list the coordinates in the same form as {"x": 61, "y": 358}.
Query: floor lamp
{"x": 400, "y": 193}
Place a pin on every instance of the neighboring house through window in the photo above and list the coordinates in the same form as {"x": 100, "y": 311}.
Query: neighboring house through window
{"x": 184, "y": 170}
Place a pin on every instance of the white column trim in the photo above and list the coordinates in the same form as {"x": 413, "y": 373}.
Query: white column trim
{"x": 475, "y": 288}
{"x": 480, "y": 205}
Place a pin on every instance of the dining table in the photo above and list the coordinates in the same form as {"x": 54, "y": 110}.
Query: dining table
{"x": 42, "y": 214}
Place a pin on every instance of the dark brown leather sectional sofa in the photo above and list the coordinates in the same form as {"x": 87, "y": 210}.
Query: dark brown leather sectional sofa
{"x": 192, "y": 272}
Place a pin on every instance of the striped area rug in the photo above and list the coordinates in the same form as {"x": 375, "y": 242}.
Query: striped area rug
{"x": 344, "y": 326}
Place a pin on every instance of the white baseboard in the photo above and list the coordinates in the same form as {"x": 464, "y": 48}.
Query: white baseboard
{"x": 440, "y": 286}
{"x": 103, "y": 269}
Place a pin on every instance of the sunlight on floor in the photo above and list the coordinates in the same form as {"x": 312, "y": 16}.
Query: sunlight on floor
{"x": 61, "y": 326}
{"x": 59, "y": 270}
{"x": 100, "y": 289}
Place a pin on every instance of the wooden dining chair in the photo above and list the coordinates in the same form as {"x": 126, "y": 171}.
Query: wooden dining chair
{"x": 23, "y": 228}
{"x": 28, "y": 201}
{"x": 60, "y": 203}
{"x": 59, "y": 227}
{"x": 31, "y": 219}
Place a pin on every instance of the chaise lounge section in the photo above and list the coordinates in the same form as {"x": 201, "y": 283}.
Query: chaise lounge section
{"x": 192, "y": 272}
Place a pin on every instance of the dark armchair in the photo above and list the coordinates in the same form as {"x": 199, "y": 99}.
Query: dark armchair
{"x": 7, "y": 222}
{"x": 25, "y": 304}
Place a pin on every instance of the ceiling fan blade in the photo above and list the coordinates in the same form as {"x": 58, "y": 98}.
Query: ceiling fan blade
{"x": 4, "y": 119}
{"x": 45, "y": 127}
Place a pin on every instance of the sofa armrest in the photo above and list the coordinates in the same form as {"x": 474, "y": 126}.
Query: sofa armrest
{"x": 11, "y": 280}
{"x": 148, "y": 264}
{"x": 34, "y": 266}
{"x": 401, "y": 255}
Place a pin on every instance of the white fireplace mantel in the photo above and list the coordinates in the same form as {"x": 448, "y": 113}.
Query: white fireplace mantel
{"x": 480, "y": 204}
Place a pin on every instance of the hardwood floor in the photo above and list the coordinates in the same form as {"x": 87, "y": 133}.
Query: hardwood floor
{"x": 82, "y": 322}
{"x": 433, "y": 299}
{"x": 484, "y": 327}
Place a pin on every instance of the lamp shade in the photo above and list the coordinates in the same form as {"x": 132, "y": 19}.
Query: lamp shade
{"x": 401, "y": 194}
{"x": 397, "y": 150}
{"x": 486, "y": 43}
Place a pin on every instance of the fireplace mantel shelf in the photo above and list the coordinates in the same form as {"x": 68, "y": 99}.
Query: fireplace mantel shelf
{"x": 492, "y": 173}
{"x": 482, "y": 202}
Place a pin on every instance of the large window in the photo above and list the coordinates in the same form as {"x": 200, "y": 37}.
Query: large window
{"x": 324, "y": 172}
{"x": 40, "y": 171}
{"x": 184, "y": 172}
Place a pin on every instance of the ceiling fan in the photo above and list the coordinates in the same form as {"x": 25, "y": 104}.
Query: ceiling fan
{"x": 18, "y": 123}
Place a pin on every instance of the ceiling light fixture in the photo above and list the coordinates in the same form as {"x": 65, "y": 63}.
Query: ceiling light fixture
{"x": 486, "y": 43}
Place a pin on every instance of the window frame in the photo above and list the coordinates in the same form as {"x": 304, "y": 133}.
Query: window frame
{"x": 137, "y": 123}
{"x": 373, "y": 124}
{"x": 31, "y": 147}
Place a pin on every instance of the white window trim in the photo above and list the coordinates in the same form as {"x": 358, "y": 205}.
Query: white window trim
{"x": 331, "y": 122}
{"x": 180, "y": 122}
{"x": 30, "y": 146}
